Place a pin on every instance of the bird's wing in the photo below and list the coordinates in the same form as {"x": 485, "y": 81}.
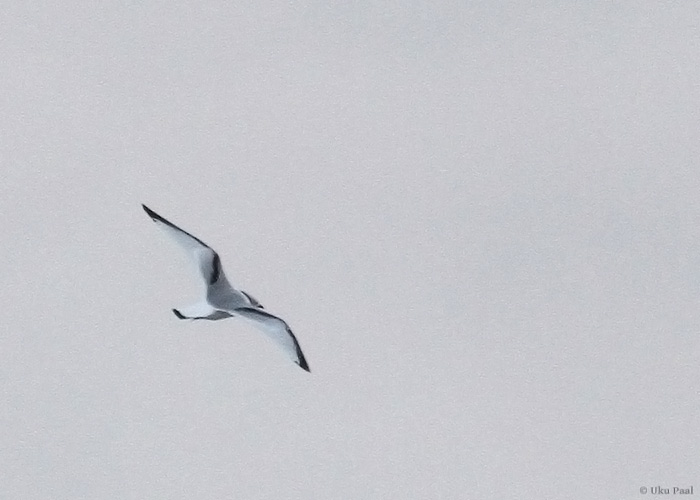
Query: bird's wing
{"x": 206, "y": 258}
{"x": 277, "y": 330}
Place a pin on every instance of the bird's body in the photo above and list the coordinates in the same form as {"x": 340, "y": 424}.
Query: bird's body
{"x": 223, "y": 300}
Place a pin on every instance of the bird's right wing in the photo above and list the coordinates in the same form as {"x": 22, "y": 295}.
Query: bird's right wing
{"x": 205, "y": 257}
{"x": 278, "y": 330}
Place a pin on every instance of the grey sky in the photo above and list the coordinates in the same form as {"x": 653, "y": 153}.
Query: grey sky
{"x": 481, "y": 220}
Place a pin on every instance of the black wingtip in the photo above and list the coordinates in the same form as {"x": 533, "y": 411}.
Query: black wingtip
{"x": 179, "y": 314}
{"x": 150, "y": 212}
{"x": 302, "y": 362}
{"x": 300, "y": 355}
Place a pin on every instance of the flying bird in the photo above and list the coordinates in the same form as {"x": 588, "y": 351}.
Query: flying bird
{"x": 221, "y": 299}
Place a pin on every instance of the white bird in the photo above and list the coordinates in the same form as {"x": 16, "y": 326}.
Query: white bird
{"x": 224, "y": 301}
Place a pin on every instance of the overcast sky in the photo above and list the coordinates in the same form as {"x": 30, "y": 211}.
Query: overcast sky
{"x": 481, "y": 219}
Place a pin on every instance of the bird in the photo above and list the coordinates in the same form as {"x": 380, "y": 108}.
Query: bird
{"x": 223, "y": 300}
